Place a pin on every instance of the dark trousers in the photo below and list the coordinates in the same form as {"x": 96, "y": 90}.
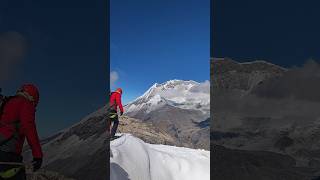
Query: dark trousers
{"x": 11, "y": 157}
{"x": 113, "y": 118}
{"x": 115, "y": 125}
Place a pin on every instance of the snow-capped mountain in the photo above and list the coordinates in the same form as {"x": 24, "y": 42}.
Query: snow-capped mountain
{"x": 131, "y": 158}
{"x": 177, "y": 107}
{"x": 177, "y": 93}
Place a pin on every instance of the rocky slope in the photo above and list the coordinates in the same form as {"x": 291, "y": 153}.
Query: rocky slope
{"x": 230, "y": 164}
{"x": 46, "y": 175}
{"x": 145, "y": 131}
{"x": 278, "y": 113}
{"x": 79, "y": 152}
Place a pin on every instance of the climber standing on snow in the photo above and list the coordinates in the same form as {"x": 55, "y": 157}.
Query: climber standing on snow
{"x": 115, "y": 102}
{"x": 17, "y": 123}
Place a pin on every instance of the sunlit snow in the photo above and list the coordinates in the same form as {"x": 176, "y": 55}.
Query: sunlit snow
{"x": 133, "y": 159}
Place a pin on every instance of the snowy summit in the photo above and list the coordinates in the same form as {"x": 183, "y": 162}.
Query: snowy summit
{"x": 177, "y": 93}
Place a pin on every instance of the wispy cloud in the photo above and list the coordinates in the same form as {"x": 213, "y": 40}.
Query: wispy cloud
{"x": 13, "y": 47}
{"x": 203, "y": 87}
{"x": 114, "y": 76}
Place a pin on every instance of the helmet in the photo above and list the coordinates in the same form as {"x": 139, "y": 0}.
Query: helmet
{"x": 119, "y": 90}
{"x": 32, "y": 91}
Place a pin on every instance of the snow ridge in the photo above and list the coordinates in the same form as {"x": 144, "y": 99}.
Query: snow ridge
{"x": 131, "y": 158}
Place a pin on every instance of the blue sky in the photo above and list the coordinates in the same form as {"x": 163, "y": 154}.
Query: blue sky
{"x": 66, "y": 54}
{"x": 282, "y": 32}
{"x": 156, "y": 41}
{"x": 66, "y": 57}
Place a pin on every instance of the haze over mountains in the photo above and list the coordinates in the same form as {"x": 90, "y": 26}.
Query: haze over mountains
{"x": 259, "y": 106}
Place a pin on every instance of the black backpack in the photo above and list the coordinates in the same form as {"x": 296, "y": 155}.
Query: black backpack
{"x": 114, "y": 105}
{"x": 3, "y": 101}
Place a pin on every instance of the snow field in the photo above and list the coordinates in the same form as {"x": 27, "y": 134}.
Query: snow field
{"x": 133, "y": 159}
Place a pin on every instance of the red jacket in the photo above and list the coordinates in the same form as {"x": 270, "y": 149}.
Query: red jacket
{"x": 115, "y": 101}
{"x": 22, "y": 111}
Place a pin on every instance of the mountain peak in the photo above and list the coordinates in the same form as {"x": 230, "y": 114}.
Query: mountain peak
{"x": 243, "y": 77}
{"x": 179, "y": 93}
{"x": 172, "y": 83}
{"x": 256, "y": 64}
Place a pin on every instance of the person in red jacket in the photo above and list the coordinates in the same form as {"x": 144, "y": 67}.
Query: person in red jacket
{"x": 17, "y": 123}
{"x": 115, "y": 103}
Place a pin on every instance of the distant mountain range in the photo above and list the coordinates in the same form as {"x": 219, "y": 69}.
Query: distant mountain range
{"x": 258, "y": 106}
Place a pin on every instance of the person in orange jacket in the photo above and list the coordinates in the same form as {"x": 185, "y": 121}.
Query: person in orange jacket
{"x": 115, "y": 103}
{"x": 17, "y": 123}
